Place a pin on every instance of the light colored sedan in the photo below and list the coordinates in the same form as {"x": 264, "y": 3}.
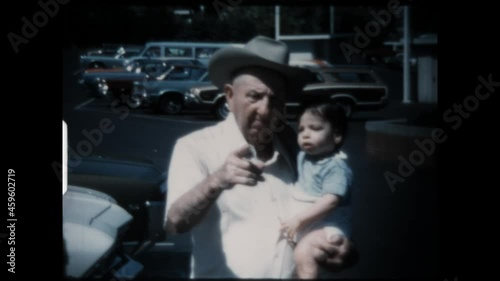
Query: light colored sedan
{"x": 166, "y": 92}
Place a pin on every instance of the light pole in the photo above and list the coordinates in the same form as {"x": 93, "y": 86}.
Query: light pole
{"x": 406, "y": 57}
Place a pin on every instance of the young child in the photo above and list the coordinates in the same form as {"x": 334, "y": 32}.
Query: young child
{"x": 322, "y": 192}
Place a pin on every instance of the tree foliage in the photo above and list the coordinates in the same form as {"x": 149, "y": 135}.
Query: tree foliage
{"x": 124, "y": 24}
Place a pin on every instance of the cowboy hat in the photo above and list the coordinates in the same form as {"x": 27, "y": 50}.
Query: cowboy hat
{"x": 260, "y": 51}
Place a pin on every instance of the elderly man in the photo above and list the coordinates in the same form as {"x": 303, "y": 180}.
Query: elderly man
{"x": 229, "y": 184}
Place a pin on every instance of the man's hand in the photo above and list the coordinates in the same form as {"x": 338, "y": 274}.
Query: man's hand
{"x": 238, "y": 170}
{"x": 290, "y": 227}
{"x": 345, "y": 255}
{"x": 335, "y": 253}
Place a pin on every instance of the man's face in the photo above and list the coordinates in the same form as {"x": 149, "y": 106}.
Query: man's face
{"x": 252, "y": 97}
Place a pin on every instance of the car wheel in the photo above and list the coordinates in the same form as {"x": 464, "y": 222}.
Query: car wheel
{"x": 222, "y": 109}
{"x": 170, "y": 104}
{"x": 134, "y": 102}
{"x": 347, "y": 106}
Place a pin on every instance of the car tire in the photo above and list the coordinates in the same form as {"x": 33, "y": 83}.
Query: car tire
{"x": 134, "y": 102}
{"x": 222, "y": 109}
{"x": 170, "y": 104}
{"x": 347, "y": 106}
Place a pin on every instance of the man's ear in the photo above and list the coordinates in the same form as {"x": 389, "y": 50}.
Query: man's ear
{"x": 228, "y": 91}
{"x": 337, "y": 139}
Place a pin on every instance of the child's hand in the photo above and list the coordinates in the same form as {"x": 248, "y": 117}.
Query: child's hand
{"x": 290, "y": 227}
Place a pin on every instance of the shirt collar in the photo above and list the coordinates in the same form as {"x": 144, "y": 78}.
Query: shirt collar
{"x": 339, "y": 155}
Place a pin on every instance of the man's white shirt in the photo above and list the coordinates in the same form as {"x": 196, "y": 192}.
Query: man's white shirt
{"x": 239, "y": 237}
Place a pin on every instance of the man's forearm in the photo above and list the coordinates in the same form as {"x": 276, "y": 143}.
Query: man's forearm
{"x": 192, "y": 206}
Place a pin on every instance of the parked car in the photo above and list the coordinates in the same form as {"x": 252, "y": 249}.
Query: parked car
{"x": 118, "y": 83}
{"x": 97, "y": 81}
{"x": 201, "y": 51}
{"x": 353, "y": 87}
{"x": 207, "y": 97}
{"x": 310, "y": 63}
{"x": 94, "y": 227}
{"x": 113, "y": 213}
{"x": 108, "y": 58}
{"x": 148, "y": 64}
{"x": 166, "y": 92}
{"x": 137, "y": 185}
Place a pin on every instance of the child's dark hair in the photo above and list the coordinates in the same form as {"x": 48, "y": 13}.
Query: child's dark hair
{"x": 333, "y": 114}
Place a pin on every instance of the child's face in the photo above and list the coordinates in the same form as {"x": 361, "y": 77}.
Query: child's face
{"x": 316, "y": 136}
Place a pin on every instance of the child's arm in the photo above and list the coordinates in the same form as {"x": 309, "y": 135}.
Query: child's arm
{"x": 315, "y": 212}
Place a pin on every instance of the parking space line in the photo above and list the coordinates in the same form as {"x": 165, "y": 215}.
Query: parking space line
{"x": 84, "y": 104}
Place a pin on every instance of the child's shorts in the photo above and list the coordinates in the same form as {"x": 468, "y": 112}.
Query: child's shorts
{"x": 338, "y": 223}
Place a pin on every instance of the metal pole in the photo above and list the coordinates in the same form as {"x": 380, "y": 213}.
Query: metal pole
{"x": 330, "y": 41}
{"x": 65, "y": 157}
{"x": 406, "y": 57}
{"x": 332, "y": 26}
{"x": 277, "y": 22}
